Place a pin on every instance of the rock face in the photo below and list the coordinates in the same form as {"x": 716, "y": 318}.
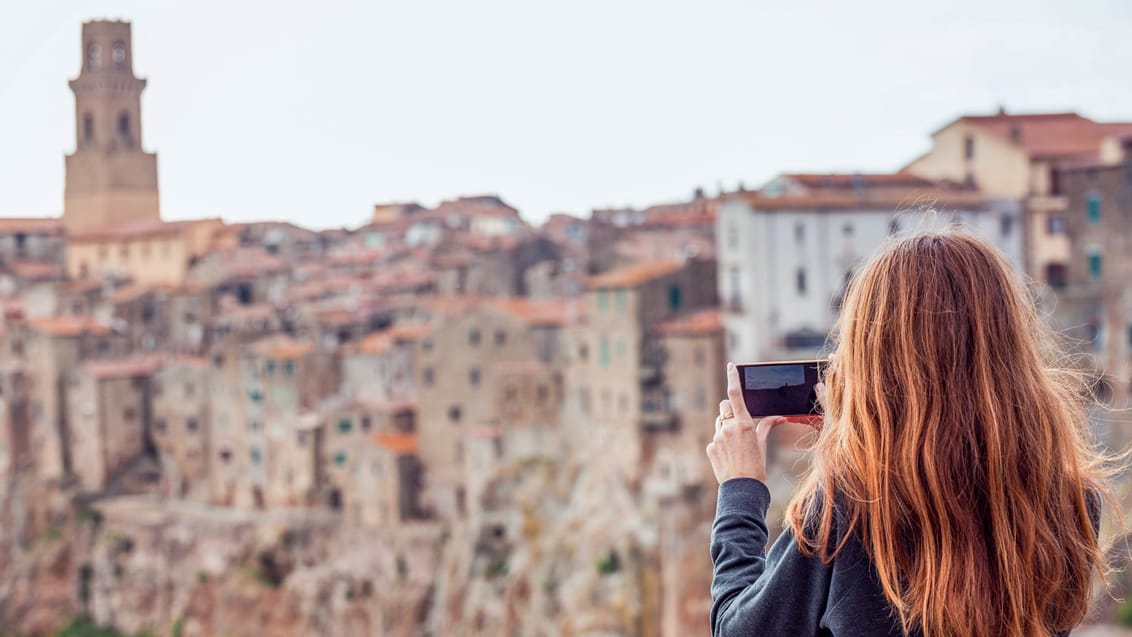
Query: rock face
{"x": 555, "y": 550}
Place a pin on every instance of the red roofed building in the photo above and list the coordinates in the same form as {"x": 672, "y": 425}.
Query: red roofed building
{"x": 1018, "y": 156}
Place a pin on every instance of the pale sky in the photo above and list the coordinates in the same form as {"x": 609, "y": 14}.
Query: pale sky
{"x": 313, "y": 111}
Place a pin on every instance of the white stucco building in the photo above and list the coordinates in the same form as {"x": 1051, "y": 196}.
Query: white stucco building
{"x": 785, "y": 252}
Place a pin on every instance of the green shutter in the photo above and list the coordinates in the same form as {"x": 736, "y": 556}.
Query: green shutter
{"x": 345, "y": 426}
{"x": 340, "y": 458}
{"x": 1095, "y": 265}
{"x": 1094, "y": 205}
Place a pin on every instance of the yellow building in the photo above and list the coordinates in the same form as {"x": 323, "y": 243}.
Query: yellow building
{"x": 149, "y": 252}
{"x": 1018, "y": 156}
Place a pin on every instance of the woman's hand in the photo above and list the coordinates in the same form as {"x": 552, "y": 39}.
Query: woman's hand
{"x": 739, "y": 447}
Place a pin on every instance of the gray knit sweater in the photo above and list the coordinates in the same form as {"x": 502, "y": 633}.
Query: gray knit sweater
{"x": 786, "y": 593}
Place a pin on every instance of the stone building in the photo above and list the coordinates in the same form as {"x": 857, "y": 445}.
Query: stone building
{"x": 108, "y": 420}
{"x": 615, "y": 393}
{"x": 456, "y": 380}
{"x": 180, "y": 427}
{"x": 148, "y": 252}
{"x": 283, "y": 378}
{"x": 111, "y": 180}
{"x": 31, "y": 239}
{"x": 1018, "y": 156}
{"x": 15, "y": 420}
{"x": 1095, "y": 305}
{"x": 356, "y": 475}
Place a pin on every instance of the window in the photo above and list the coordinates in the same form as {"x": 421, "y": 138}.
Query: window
{"x": 426, "y": 345}
{"x": 1006, "y": 225}
{"x": 1095, "y": 264}
{"x": 454, "y": 413}
{"x": 799, "y": 232}
{"x": 345, "y": 426}
{"x": 129, "y": 414}
{"x": 93, "y": 56}
{"x": 367, "y": 423}
{"x": 340, "y": 458}
{"x": 427, "y": 376}
{"x": 969, "y": 147}
{"x": 674, "y": 298}
{"x": 733, "y": 286}
{"x": 269, "y": 368}
{"x": 619, "y": 300}
{"x": 500, "y": 337}
{"x": 159, "y": 425}
{"x": 225, "y": 456}
{"x": 847, "y": 230}
{"x": 699, "y": 356}
{"x": 289, "y": 368}
{"x": 800, "y": 281}
{"x": 118, "y": 55}
{"x": 1057, "y": 275}
{"x": 1093, "y": 204}
{"x": 88, "y": 127}
{"x": 603, "y": 349}
{"x": 542, "y": 394}
{"x": 603, "y": 300}
{"x": 254, "y": 425}
{"x": 474, "y": 377}
{"x": 474, "y": 337}
{"x": 255, "y": 455}
{"x": 583, "y": 352}
{"x": 191, "y": 424}
{"x": 1055, "y": 225}
{"x": 124, "y": 125}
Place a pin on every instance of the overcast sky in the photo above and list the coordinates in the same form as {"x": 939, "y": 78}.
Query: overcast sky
{"x": 312, "y": 111}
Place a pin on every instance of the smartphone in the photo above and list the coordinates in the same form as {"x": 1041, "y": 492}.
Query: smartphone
{"x": 782, "y": 389}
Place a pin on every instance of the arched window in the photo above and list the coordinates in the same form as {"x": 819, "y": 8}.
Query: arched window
{"x": 88, "y": 127}
{"x": 124, "y": 126}
{"x": 118, "y": 55}
{"x": 93, "y": 56}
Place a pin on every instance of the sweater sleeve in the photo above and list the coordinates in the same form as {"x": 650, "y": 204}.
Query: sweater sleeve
{"x": 783, "y": 593}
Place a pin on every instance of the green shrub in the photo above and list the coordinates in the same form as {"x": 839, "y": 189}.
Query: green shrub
{"x": 1124, "y": 613}
{"x": 609, "y": 564}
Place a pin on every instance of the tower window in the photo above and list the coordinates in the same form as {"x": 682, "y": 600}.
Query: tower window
{"x": 969, "y": 147}
{"x": 118, "y": 55}
{"x": 800, "y": 281}
{"x": 93, "y": 56}
{"x": 124, "y": 125}
{"x": 88, "y": 127}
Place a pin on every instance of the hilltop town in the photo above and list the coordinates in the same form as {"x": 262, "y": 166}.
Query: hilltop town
{"x": 448, "y": 420}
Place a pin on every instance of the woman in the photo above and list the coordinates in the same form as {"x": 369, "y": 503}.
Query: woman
{"x": 953, "y": 490}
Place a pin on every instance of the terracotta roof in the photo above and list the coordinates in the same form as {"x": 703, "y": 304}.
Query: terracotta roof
{"x": 540, "y": 312}
{"x": 871, "y": 200}
{"x": 372, "y": 344}
{"x": 633, "y": 275}
{"x": 707, "y": 321}
{"x": 409, "y": 331}
{"x": 397, "y": 443}
{"x": 850, "y": 181}
{"x": 130, "y": 293}
{"x": 1049, "y": 135}
{"x": 36, "y": 270}
{"x": 136, "y": 230}
{"x": 66, "y": 326}
{"x": 123, "y": 368}
{"x": 281, "y": 348}
{"x": 31, "y": 225}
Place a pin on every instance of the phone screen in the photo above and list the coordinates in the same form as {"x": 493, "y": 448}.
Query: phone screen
{"x": 781, "y": 389}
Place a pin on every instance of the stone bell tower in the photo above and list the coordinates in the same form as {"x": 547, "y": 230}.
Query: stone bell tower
{"x": 110, "y": 180}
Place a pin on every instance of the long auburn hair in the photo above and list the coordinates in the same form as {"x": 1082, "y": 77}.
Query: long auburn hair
{"x": 954, "y": 447}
